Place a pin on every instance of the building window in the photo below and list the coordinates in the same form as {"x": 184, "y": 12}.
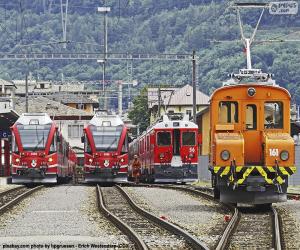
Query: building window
{"x": 75, "y": 131}
{"x": 170, "y": 111}
{"x": 42, "y": 85}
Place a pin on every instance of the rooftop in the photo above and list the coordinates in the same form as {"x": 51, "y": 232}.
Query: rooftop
{"x": 38, "y": 104}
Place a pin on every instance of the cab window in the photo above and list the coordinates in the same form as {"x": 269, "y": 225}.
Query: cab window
{"x": 251, "y": 117}
{"x": 188, "y": 139}
{"x": 273, "y": 114}
{"x": 228, "y": 112}
{"x": 163, "y": 138}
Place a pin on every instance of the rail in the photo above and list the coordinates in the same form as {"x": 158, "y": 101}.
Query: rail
{"x": 127, "y": 230}
{"x": 16, "y": 200}
{"x": 195, "y": 242}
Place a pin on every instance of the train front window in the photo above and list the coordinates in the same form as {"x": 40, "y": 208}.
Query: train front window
{"x": 251, "y": 117}
{"x": 34, "y": 137}
{"x": 188, "y": 139}
{"x": 106, "y": 138}
{"x": 163, "y": 138}
{"x": 273, "y": 114}
{"x": 228, "y": 112}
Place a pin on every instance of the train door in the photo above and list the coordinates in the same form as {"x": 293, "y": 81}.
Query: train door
{"x": 251, "y": 133}
{"x": 176, "y": 142}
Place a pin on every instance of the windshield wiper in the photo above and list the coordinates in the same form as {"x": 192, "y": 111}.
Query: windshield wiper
{"x": 108, "y": 148}
{"x": 42, "y": 140}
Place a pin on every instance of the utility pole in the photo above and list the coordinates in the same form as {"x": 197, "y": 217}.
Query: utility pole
{"x": 104, "y": 10}
{"x": 26, "y": 93}
{"x": 194, "y": 85}
{"x": 64, "y": 18}
{"x": 159, "y": 97}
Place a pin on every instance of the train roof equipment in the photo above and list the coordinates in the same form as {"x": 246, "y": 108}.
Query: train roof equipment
{"x": 249, "y": 74}
{"x": 174, "y": 120}
{"x": 34, "y": 119}
{"x": 104, "y": 119}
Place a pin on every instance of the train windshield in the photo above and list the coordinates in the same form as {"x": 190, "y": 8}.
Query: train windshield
{"x": 106, "y": 138}
{"x": 188, "y": 139}
{"x": 34, "y": 137}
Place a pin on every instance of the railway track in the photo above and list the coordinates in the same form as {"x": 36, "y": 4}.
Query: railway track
{"x": 247, "y": 222}
{"x": 144, "y": 229}
{"x": 13, "y": 196}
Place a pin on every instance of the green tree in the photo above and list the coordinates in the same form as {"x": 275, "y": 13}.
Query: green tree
{"x": 140, "y": 114}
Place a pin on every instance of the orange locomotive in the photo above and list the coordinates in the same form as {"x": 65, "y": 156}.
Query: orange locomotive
{"x": 252, "y": 152}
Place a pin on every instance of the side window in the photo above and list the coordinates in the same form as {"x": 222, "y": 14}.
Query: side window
{"x": 273, "y": 114}
{"x": 125, "y": 145}
{"x": 53, "y": 144}
{"x": 251, "y": 117}
{"x": 228, "y": 112}
{"x": 87, "y": 146}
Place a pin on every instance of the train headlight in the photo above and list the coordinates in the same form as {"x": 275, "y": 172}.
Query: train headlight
{"x": 17, "y": 160}
{"x": 161, "y": 155}
{"x": 191, "y": 155}
{"x": 284, "y": 155}
{"x": 50, "y": 159}
{"x": 225, "y": 155}
{"x": 251, "y": 92}
{"x": 122, "y": 160}
{"x": 90, "y": 160}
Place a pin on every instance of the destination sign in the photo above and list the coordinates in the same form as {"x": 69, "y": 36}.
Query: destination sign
{"x": 283, "y": 8}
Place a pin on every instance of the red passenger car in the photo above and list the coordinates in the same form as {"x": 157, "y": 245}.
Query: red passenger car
{"x": 39, "y": 152}
{"x": 105, "y": 149}
{"x": 168, "y": 150}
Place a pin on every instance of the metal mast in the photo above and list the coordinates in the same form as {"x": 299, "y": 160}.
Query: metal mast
{"x": 64, "y": 19}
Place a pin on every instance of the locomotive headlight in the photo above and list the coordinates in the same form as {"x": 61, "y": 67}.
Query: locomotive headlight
{"x": 122, "y": 160}
{"x": 225, "y": 155}
{"x": 251, "y": 92}
{"x": 17, "y": 160}
{"x": 90, "y": 160}
{"x": 162, "y": 155}
{"x": 191, "y": 155}
{"x": 284, "y": 155}
{"x": 50, "y": 159}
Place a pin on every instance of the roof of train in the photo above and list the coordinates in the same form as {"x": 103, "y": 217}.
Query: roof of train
{"x": 34, "y": 119}
{"x": 167, "y": 123}
{"x": 106, "y": 120}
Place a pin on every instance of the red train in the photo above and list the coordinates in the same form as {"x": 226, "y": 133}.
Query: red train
{"x": 39, "y": 152}
{"x": 168, "y": 150}
{"x": 105, "y": 149}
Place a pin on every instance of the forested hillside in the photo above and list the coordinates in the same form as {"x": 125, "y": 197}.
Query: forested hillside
{"x": 148, "y": 26}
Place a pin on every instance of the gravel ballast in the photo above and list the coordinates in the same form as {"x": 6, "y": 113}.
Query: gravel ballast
{"x": 202, "y": 218}
{"x": 61, "y": 215}
{"x": 290, "y": 216}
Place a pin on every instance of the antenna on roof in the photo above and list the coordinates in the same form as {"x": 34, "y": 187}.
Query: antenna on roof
{"x": 286, "y": 7}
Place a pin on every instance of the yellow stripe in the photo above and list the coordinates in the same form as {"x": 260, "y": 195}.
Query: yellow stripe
{"x": 245, "y": 175}
{"x": 216, "y": 169}
{"x": 293, "y": 168}
{"x": 283, "y": 171}
{"x": 225, "y": 171}
{"x": 271, "y": 169}
{"x": 264, "y": 174}
{"x": 239, "y": 168}
{"x": 280, "y": 180}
